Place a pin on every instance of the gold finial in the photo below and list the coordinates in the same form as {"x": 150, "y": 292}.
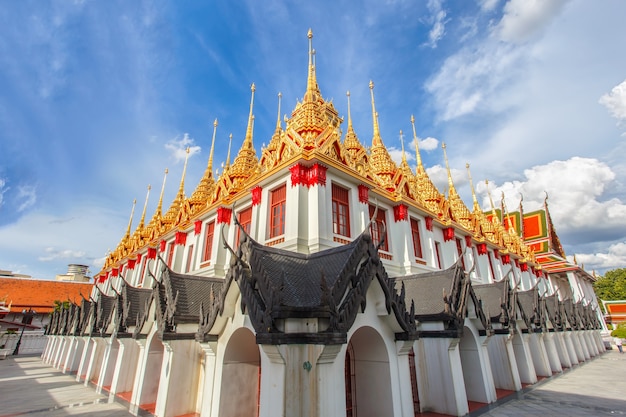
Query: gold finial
{"x": 181, "y": 189}
{"x": 209, "y": 167}
{"x": 248, "y": 139}
{"x": 311, "y": 84}
{"x": 376, "y": 140}
{"x": 278, "y": 127}
{"x": 402, "y": 143}
{"x": 469, "y": 175}
{"x": 130, "y": 221}
{"x": 145, "y": 206}
{"x": 493, "y": 207}
{"x": 230, "y": 142}
{"x": 505, "y": 214}
{"x": 451, "y": 190}
{"x": 420, "y": 167}
{"x": 160, "y": 205}
{"x": 349, "y": 113}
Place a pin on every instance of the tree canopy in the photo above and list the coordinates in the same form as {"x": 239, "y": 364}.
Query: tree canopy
{"x": 611, "y": 286}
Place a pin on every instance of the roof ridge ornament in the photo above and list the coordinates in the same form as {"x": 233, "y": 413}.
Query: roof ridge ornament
{"x": 420, "y": 167}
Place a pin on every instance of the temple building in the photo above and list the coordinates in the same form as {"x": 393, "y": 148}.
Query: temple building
{"x": 321, "y": 278}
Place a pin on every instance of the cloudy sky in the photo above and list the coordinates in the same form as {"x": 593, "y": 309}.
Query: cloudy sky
{"x": 98, "y": 98}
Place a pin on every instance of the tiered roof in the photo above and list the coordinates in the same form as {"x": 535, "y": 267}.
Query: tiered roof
{"x": 313, "y": 135}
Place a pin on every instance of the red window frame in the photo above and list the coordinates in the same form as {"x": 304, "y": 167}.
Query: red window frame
{"x": 244, "y": 217}
{"x": 170, "y": 254}
{"x": 459, "y": 249}
{"x": 438, "y": 253}
{"x": 378, "y": 227}
{"x": 278, "y": 200}
{"x": 189, "y": 258}
{"x": 209, "y": 232}
{"x": 341, "y": 211}
{"x": 417, "y": 238}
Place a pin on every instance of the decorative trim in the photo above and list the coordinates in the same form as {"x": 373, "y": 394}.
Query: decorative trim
{"x": 162, "y": 246}
{"x": 308, "y": 176}
{"x": 496, "y": 253}
{"x": 180, "y": 238}
{"x": 429, "y": 223}
{"x": 224, "y": 215}
{"x": 523, "y": 267}
{"x": 400, "y": 212}
{"x": 115, "y": 272}
{"x": 364, "y": 194}
{"x": 275, "y": 242}
{"x": 448, "y": 234}
{"x": 139, "y": 256}
{"x": 256, "y": 195}
{"x": 481, "y": 248}
{"x": 506, "y": 258}
{"x": 197, "y": 227}
{"x": 468, "y": 241}
{"x": 151, "y": 253}
{"x": 131, "y": 264}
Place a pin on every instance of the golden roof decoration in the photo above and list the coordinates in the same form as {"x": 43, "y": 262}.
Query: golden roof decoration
{"x": 137, "y": 238}
{"x": 382, "y": 166}
{"x": 171, "y": 215}
{"x": 425, "y": 190}
{"x": 356, "y": 154}
{"x": 458, "y": 209}
{"x": 480, "y": 221}
{"x": 153, "y": 230}
{"x": 204, "y": 191}
{"x": 280, "y": 147}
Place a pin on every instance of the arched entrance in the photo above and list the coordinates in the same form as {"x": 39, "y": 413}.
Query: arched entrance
{"x": 367, "y": 375}
{"x": 472, "y": 369}
{"x": 241, "y": 375}
{"x": 152, "y": 376}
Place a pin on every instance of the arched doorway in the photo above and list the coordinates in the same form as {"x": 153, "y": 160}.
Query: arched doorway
{"x": 367, "y": 375}
{"x": 241, "y": 376}
{"x": 152, "y": 376}
{"x": 472, "y": 369}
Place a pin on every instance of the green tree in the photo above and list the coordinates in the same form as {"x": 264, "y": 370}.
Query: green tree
{"x": 611, "y": 286}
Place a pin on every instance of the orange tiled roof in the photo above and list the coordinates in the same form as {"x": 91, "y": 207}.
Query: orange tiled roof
{"x": 40, "y": 295}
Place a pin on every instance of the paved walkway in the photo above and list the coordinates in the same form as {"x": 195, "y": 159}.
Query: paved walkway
{"x": 596, "y": 388}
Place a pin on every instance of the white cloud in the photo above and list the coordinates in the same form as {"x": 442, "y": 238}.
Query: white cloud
{"x": 55, "y": 254}
{"x": 615, "y": 257}
{"x": 615, "y": 102}
{"x": 26, "y": 197}
{"x": 488, "y": 5}
{"x": 178, "y": 148}
{"x": 524, "y": 19}
{"x": 3, "y": 190}
{"x": 575, "y": 188}
{"x": 428, "y": 144}
{"x": 438, "y": 21}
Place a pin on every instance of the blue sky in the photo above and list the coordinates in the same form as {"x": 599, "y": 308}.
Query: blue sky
{"x": 97, "y": 98}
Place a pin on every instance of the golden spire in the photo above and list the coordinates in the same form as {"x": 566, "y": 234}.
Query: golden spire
{"x": 376, "y": 140}
{"x": 181, "y": 189}
{"x": 469, "y": 175}
{"x": 452, "y": 190}
{"x": 493, "y": 207}
{"x": 248, "y": 140}
{"x": 130, "y": 221}
{"x": 230, "y": 142}
{"x": 160, "y": 205}
{"x": 349, "y": 112}
{"x": 505, "y": 214}
{"x": 420, "y": 166}
{"x": 278, "y": 126}
{"x": 311, "y": 82}
{"x": 209, "y": 168}
{"x": 402, "y": 143}
{"x": 145, "y": 206}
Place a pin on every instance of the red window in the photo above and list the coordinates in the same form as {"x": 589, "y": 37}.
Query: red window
{"x": 245, "y": 219}
{"x": 378, "y": 229}
{"x": 209, "y": 231}
{"x": 341, "y": 211}
{"x": 189, "y": 258}
{"x": 493, "y": 275}
{"x": 417, "y": 239}
{"x": 170, "y": 254}
{"x": 459, "y": 249}
{"x": 278, "y": 198}
{"x": 438, "y": 253}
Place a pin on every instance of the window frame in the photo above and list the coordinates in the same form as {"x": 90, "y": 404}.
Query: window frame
{"x": 340, "y": 198}
{"x": 278, "y": 201}
{"x": 209, "y": 235}
{"x": 377, "y": 227}
{"x": 247, "y": 225}
{"x": 416, "y": 237}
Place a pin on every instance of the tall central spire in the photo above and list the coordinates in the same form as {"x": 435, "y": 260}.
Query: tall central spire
{"x": 311, "y": 81}
{"x": 418, "y": 157}
{"x": 376, "y": 140}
